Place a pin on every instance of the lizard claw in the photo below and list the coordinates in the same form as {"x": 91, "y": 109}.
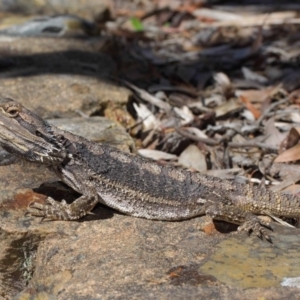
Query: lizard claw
{"x": 52, "y": 209}
{"x": 257, "y": 226}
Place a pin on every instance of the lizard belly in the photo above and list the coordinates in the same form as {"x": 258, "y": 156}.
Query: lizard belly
{"x": 142, "y": 208}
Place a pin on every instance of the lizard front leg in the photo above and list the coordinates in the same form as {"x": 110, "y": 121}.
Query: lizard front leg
{"x": 55, "y": 210}
{"x": 248, "y": 221}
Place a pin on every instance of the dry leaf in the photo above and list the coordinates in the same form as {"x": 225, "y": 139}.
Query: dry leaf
{"x": 290, "y": 141}
{"x": 147, "y": 117}
{"x": 149, "y": 98}
{"x": 192, "y": 157}
{"x": 274, "y": 136}
{"x": 250, "y": 107}
{"x": 291, "y": 154}
{"x": 255, "y": 96}
{"x": 157, "y": 155}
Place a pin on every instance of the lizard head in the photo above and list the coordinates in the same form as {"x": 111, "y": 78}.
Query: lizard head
{"x": 27, "y": 135}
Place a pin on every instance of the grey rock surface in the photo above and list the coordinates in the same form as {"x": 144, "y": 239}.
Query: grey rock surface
{"x": 87, "y": 8}
{"x": 49, "y": 26}
{"x": 97, "y": 129}
{"x": 59, "y": 77}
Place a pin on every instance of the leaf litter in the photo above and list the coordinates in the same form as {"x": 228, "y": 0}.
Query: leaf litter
{"x": 215, "y": 87}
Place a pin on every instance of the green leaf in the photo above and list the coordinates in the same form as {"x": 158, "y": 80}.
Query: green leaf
{"x": 137, "y": 24}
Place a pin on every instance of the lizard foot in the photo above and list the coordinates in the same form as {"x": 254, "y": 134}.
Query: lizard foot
{"x": 257, "y": 226}
{"x": 52, "y": 210}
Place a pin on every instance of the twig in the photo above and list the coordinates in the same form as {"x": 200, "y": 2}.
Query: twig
{"x": 212, "y": 142}
{"x": 195, "y": 138}
{"x": 269, "y": 109}
{"x": 252, "y": 144}
{"x": 148, "y": 97}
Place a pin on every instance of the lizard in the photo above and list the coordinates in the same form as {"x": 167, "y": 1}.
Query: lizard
{"x": 132, "y": 184}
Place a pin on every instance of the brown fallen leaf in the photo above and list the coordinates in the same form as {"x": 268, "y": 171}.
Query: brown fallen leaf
{"x": 291, "y": 154}
{"x": 290, "y": 141}
{"x": 257, "y": 96}
{"x": 250, "y": 107}
{"x": 157, "y": 155}
{"x": 292, "y": 189}
{"x": 295, "y": 96}
{"x": 273, "y": 136}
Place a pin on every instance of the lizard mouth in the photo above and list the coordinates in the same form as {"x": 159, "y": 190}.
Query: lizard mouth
{"x": 39, "y": 146}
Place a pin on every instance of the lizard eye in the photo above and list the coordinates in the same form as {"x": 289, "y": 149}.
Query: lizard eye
{"x": 13, "y": 111}
{"x": 37, "y": 133}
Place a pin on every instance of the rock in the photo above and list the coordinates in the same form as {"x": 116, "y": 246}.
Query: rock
{"x": 84, "y": 8}
{"x": 48, "y": 54}
{"x": 121, "y": 257}
{"x": 53, "y": 96}
{"x": 245, "y": 264}
{"x": 97, "y": 129}
{"x": 59, "y": 82}
{"x": 49, "y": 26}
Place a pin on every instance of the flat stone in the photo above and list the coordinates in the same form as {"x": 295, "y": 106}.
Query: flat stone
{"x": 97, "y": 129}
{"x": 86, "y": 8}
{"x": 62, "y": 95}
{"x": 15, "y": 45}
{"x": 43, "y": 26}
{"x": 249, "y": 263}
{"x": 122, "y": 257}
{"x": 59, "y": 77}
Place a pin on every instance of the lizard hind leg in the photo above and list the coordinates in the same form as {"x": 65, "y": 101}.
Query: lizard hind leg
{"x": 257, "y": 226}
{"x": 54, "y": 210}
{"x": 248, "y": 221}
